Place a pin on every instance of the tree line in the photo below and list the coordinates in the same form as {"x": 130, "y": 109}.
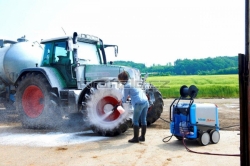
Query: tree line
{"x": 205, "y": 66}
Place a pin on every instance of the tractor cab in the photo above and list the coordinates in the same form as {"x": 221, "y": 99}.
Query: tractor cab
{"x": 70, "y": 55}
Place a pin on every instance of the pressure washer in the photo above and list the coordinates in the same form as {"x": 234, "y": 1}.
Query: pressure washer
{"x": 194, "y": 120}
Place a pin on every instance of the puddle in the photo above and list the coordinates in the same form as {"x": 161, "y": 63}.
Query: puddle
{"x": 50, "y": 139}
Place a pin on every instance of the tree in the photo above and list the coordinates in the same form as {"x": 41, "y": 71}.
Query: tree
{"x": 217, "y": 65}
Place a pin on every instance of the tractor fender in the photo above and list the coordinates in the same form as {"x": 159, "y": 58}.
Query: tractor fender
{"x": 52, "y": 75}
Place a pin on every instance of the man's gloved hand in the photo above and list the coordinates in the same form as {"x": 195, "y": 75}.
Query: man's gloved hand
{"x": 115, "y": 107}
{"x": 118, "y": 104}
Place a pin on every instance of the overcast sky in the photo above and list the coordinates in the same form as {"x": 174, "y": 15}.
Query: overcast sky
{"x": 146, "y": 31}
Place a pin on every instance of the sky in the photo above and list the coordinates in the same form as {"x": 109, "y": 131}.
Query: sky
{"x": 151, "y": 32}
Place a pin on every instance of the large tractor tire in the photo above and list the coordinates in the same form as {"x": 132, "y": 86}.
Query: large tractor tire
{"x": 155, "y": 110}
{"x": 99, "y": 115}
{"x": 37, "y": 105}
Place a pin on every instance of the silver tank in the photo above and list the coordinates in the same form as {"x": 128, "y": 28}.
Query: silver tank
{"x": 17, "y": 56}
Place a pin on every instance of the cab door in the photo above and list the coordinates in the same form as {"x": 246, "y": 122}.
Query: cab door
{"x": 63, "y": 61}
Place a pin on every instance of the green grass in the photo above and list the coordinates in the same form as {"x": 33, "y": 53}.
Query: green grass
{"x": 210, "y": 86}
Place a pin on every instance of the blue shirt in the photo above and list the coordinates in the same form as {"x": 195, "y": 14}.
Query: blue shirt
{"x": 136, "y": 94}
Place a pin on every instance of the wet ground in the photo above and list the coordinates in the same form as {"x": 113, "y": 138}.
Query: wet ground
{"x": 10, "y": 126}
{"x": 73, "y": 145}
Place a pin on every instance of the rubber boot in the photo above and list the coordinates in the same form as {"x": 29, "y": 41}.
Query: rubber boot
{"x": 135, "y": 139}
{"x": 143, "y": 132}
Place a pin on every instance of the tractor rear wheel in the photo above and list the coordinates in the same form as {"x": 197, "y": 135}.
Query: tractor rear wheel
{"x": 37, "y": 105}
{"x": 99, "y": 114}
{"x": 155, "y": 110}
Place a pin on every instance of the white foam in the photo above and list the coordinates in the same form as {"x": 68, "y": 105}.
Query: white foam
{"x": 96, "y": 119}
{"x": 51, "y": 139}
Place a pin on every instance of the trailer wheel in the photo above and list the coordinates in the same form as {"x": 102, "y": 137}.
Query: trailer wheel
{"x": 204, "y": 138}
{"x": 37, "y": 105}
{"x": 214, "y": 136}
{"x": 155, "y": 110}
{"x": 99, "y": 115}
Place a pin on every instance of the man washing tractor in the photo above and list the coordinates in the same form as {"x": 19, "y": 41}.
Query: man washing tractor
{"x": 140, "y": 103}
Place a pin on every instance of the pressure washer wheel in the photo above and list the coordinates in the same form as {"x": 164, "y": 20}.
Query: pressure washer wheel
{"x": 204, "y": 138}
{"x": 214, "y": 136}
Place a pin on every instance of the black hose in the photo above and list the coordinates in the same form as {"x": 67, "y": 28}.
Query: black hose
{"x": 207, "y": 153}
{"x": 165, "y": 141}
{"x": 164, "y": 120}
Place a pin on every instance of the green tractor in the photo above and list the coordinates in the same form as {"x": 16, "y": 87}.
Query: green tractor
{"x": 71, "y": 78}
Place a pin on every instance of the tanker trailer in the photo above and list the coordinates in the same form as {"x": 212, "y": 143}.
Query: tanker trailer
{"x": 74, "y": 79}
{"x": 14, "y": 57}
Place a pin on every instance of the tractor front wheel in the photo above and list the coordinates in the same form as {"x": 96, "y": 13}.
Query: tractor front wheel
{"x": 101, "y": 115}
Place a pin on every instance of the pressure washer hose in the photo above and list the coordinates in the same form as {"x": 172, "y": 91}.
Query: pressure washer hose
{"x": 207, "y": 153}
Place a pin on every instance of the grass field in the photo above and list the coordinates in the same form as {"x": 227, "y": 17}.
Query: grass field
{"x": 210, "y": 86}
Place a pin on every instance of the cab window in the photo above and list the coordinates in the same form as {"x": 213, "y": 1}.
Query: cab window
{"x": 47, "y": 54}
{"x": 61, "y": 55}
